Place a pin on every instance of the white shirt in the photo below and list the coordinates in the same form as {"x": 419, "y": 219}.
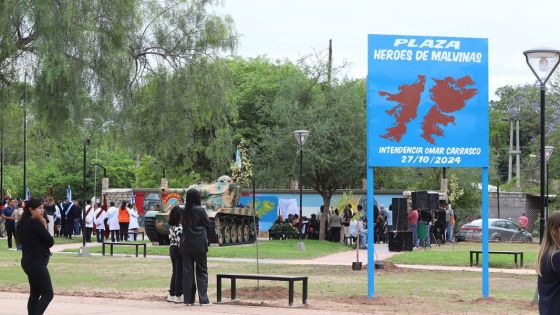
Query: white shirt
{"x": 56, "y": 212}
{"x": 353, "y": 228}
{"x": 113, "y": 215}
{"x": 100, "y": 221}
{"x": 133, "y": 224}
{"x": 89, "y": 217}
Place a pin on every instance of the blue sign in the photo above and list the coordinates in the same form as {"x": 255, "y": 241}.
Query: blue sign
{"x": 427, "y": 101}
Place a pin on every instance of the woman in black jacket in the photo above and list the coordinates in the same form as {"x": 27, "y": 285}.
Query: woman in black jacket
{"x": 548, "y": 268}
{"x": 32, "y": 234}
{"x": 194, "y": 248}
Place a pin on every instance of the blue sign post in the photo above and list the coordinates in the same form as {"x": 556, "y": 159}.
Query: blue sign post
{"x": 427, "y": 106}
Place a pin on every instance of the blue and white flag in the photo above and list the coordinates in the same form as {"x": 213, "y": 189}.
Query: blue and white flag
{"x": 238, "y": 158}
{"x": 27, "y": 193}
{"x": 69, "y": 193}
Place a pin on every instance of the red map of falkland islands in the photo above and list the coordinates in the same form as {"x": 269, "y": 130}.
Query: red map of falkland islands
{"x": 449, "y": 95}
{"x": 408, "y": 99}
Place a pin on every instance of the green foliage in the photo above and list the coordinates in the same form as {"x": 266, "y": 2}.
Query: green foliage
{"x": 243, "y": 173}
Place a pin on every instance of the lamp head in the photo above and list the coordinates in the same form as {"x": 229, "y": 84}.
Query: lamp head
{"x": 548, "y": 152}
{"x": 542, "y": 62}
{"x": 301, "y": 136}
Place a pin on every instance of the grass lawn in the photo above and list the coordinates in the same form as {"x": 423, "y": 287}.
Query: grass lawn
{"x": 398, "y": 291}
{"x": 458, "y": 255}
{"x": 274, "y": 249}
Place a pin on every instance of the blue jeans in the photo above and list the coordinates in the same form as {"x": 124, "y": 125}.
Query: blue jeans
{"x": 448, "y": 231}
{"x": 413, "y": 228}
{"x": 77, "y": 226}
{"x": 363, "y": 238}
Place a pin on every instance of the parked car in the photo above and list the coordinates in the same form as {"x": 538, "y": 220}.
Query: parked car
{"x": 498, "y": 230}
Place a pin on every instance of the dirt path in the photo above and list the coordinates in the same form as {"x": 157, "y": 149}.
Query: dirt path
{"x": 15, "y": 304}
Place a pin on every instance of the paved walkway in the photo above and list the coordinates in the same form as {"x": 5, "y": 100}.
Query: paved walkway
{"x": 15, "y": 304}
{"x": 338, "y": 259}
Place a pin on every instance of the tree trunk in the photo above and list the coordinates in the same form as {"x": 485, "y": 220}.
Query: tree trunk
{"x": 324, "y": 216}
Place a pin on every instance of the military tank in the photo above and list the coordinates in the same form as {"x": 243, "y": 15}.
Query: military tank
{"x": 231, "y": 223}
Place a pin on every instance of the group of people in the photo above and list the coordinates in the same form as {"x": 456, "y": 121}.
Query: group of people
{"x": 293, "y": 226}
{"x": 119, "y": 223}
{"x": 348, "y": 225}
{"x": 188, "y": 246}
{"x": 422, "y": 223}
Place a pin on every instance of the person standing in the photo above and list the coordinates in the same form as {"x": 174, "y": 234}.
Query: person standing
{"x": 50, "y": 210}
{"x": 69, "y": 220}
{"x": 33, "y": 235}
{"x": 113, "y": 220}
{"x": 77, "y": 215}
{"x": 10, "y": 224}
{"x": 449, "y": 217}
{"x": 124, "y": 221}
{"x": 548, "y": 268}
{"x": 175, "y": 232}
{"x": 100, "y": 216}
{"x": 413, "y": 225}
{"x": 57, "y": 219}
{"x": 133, "y": 225}
{"x": 523, "y": 221}
{"x": 90, "y": 216}
{"x": 194, "y": 248}
{"x": 335, "y": 223}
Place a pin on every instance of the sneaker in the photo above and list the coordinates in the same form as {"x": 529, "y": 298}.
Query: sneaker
{"x": 179, "y": 299}
{"x": 170, "y": 298}
{"x": 206, "y": 304}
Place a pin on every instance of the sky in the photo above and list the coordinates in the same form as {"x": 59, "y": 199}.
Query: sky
{"x": 290, "y": 29}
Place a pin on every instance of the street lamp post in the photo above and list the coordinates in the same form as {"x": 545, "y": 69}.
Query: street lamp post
{"x": 547, "y": 154}
{"x": 542, "y": 62}
{"x": 84, "y": 251}
{"x": 301, "y": 136}
{"x": 25, "y": 135}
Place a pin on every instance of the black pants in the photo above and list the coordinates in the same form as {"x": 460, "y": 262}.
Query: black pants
{"x": 189, "y": 262}
{"x": 11, "y": 232}
{"x": 124, "y": 231}
{"x": 100, "y": 235}
{"x": 41, "y": 291}
{"x": 113, "y": 234}
{"x": 62, "y": 227}
{"x": 335, "y": 234}
{"x": 176, "y": 284}
{"x": 88, "y": 234}
{"x": 69, "y": 228}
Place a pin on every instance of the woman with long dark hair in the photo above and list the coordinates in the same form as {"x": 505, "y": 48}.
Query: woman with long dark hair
{"x": 32, "y": 234}
{"x": 548, "y": 267}
{"x": 194, "y": 248}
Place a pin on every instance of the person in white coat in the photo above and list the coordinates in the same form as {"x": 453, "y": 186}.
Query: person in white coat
{"x": 90, "y": 213}
{"x": 113, "y": 217}
{"x": 57, "y": 217}
{"x": 100, "y": 216}
{"x": 133, "y": 224}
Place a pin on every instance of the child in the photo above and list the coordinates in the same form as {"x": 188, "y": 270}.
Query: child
{"x": 175, "y": 231}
